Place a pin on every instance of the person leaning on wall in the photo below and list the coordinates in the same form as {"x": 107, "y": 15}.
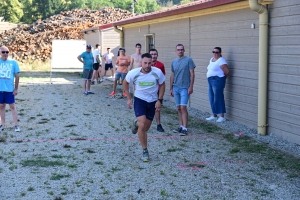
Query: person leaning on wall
{"x": 217, "y": 73}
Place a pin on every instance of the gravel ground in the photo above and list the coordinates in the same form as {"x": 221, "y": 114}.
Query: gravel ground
{"x": 73, "y": 146}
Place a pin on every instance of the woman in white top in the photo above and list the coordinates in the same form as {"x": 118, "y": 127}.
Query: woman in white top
{"x": 217, "y": 72}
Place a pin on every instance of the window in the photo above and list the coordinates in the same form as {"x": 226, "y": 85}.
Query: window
{"x": 150, "y": 42}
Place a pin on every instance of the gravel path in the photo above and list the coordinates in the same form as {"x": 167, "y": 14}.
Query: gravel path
{"x": 73, "y": 146}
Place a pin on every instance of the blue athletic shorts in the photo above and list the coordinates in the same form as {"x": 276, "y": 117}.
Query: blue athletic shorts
{"x": 120, "y": 74}
{"x": 142, "y": 107}
{"x": 181, "y": 96}
{"x": 7, "y": 98}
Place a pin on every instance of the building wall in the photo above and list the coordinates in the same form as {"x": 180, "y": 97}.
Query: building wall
{"x": 232, "y": 32}
{"x": 110, "y": 39}
{"x": 92, "y": 38}
{"x": 284, "y": 70}
{"x": 133, "y": 36}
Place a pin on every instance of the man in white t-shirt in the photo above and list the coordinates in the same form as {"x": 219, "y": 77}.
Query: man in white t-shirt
{"x": 146, "y": 80}
{"x": 97, "y": 65}
{"x": 108, "y": 56}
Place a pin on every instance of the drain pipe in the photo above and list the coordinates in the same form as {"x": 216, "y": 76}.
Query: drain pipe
{"x": 121, "y": 33}
{"x": 263, "y": 65}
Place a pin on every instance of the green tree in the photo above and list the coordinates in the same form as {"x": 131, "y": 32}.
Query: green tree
{"x": 185, "y": 1}
{"x": 11, "y": 10}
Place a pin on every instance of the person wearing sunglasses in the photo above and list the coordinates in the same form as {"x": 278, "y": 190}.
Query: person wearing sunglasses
{"x": 217, "y": 72}
{"x": 181, "y": 86}
{"x": 9, "y": 83}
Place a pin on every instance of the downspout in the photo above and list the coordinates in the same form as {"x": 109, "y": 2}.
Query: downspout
{"x": 262, "y": 66}
{"x": 121, "y": 33}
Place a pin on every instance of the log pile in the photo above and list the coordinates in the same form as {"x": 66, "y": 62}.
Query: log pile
{"x": 34, "y": 42}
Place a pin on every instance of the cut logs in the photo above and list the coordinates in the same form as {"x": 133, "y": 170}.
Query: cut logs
{"x": 34, "y": 42}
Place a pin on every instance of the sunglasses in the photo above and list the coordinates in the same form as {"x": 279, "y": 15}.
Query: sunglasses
{"x": 180, "y": 49}
{"x": 3, "y": 52}
{"x": 216, "y": 52}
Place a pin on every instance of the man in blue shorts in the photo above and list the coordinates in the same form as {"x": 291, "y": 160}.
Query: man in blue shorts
{"x": 88, "y": 60}
{"x": 181, "y": 86}
{"x": 9, "y": 83}
{"x": 146, "y": 80}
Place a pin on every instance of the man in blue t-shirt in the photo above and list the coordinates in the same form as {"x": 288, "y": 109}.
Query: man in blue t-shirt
{"x": 9, "y": 83}
{"x": 181, "y": 86}
{"x": 87, "y": 59}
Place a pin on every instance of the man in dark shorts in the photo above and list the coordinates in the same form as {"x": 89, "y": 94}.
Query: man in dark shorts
{"x": 9, "y": 83}
{"x": 146, "y": 101}
{"x": 108, "y": 56}
{"x": 87, "y": 59}
{"x": 161, "y": 66}
{"x": 97, "y": 65}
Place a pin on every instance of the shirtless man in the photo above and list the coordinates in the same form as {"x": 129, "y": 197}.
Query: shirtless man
{"x": 136, "y": 58}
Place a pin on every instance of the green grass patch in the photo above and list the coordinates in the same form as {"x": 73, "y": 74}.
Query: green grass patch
{"x": 174, "y": 149}
{"x": 41, "y": 162}
{"x": 59, "y": 176}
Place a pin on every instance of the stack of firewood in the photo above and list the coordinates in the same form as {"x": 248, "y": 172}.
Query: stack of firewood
{"x": 34, "y": 42}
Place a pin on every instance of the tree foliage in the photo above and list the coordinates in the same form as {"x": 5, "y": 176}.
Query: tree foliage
{"x": 27, "y": 11}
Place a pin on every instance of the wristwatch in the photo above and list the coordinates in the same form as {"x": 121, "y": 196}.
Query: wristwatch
{"x": 161, "y": 100}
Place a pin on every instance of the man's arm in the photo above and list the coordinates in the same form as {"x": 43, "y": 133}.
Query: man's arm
{"x": 171, "y": 84}
{"x": 79, "y": 58}
{"x": 192, "y": 78}
{"x": 131, "y": 62}
{"x": 162, "y": 88}
{"x": 17, "y": 78}
{"x": 126, "y": 90}
{"x": 104, "y": 57}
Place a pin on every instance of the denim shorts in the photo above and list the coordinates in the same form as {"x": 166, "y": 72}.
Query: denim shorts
{"x": 120, "y": 74}
{"x": 7, "y": 98}
{"x": 181, "y": 96}
{"x": 142, "y": 107}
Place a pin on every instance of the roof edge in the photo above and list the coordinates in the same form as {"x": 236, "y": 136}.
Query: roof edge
{"x": 184, "y": 9}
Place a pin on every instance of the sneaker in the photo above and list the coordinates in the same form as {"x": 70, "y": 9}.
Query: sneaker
{"x": 124, "y": 94}
{"x": 92, "y": 83}
{"x": 211, "y": 118}
{"x": 221, "y": 119}
{"x": 145, "y": 157}
{"x": 112, "y": 93}
{"x": 85, "y": 93}
{"x": 134, "y": 127}
{"x": 1, "y": 128}
{"x": 184, "y": 132}
{"x": 100, "y": 81}
{"x": 160, "y": 128}
{"x": 17, "y": 129}
{"x": 89, "y": 92}
{"x": 178, "y": 130}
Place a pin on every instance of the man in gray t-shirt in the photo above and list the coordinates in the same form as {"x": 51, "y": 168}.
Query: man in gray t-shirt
{"x": 181, "y": 86}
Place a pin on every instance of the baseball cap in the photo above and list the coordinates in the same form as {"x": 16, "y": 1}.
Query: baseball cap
{"x": 88, "y": 46}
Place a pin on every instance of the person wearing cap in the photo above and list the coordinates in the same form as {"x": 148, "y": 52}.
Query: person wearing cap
{"x": 122, "y": 62}
{"x": 88, "y": 60}
{"x": 9, "y": 83}
{"x": 108, "y": 56}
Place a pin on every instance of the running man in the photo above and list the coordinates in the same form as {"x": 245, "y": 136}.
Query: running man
{"x": 146, "y": 101}
{"x": 161, "y": 66}
{"x": 181, "y": 86}
{"x": 9, "y": 83}
{"x": 87, "y": 59}
{"x": 108, "y": 56}
{"x": 122, "y": 62}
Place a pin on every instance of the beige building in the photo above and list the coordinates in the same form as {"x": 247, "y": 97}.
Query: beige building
{"x": 106, "y": 36}
{"x": 259, "y": 42}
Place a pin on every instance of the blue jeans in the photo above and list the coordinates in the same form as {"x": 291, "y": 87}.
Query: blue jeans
{"x": 216, "y": 87}
{"x": 181, "y": 96}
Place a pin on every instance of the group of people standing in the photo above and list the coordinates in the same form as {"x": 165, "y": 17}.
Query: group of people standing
{"x": 147, "y": 76}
